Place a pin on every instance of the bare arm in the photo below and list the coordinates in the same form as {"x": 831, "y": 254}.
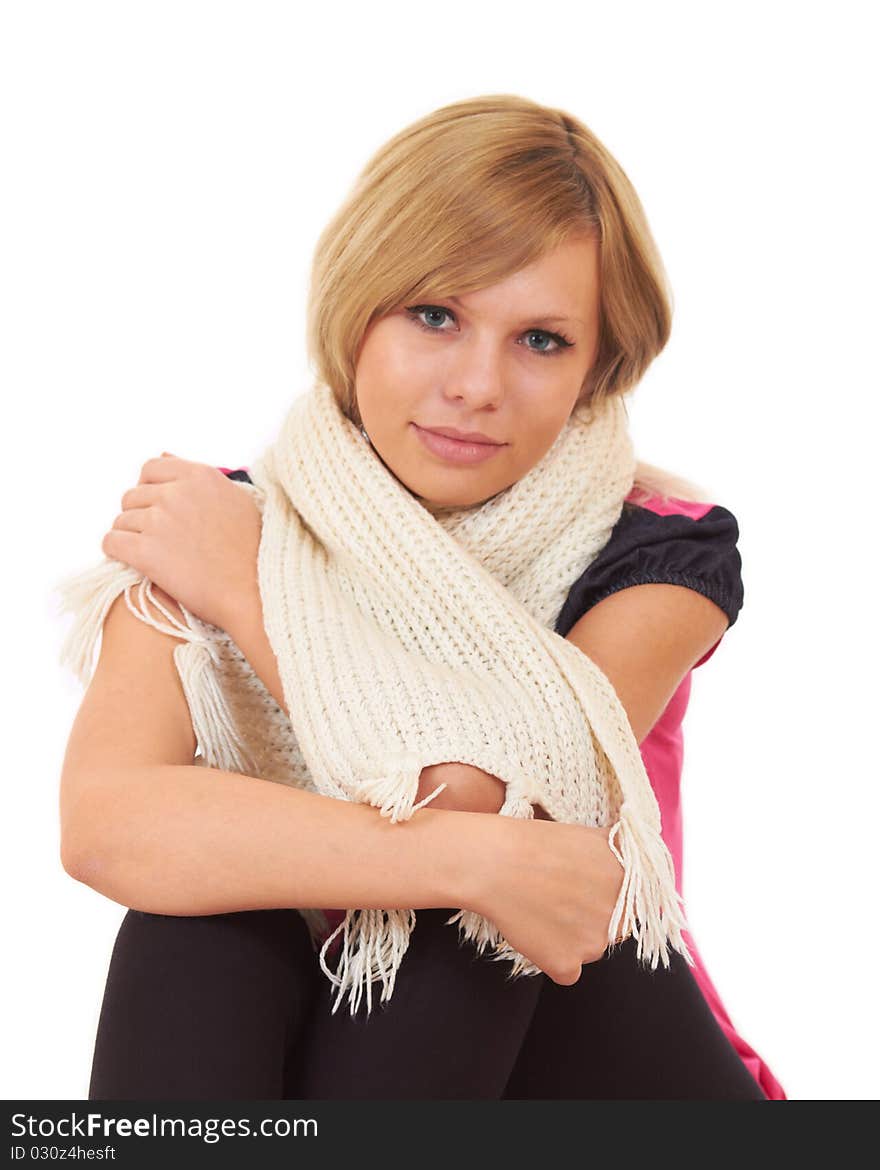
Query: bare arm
{"x": 645, "y": 639}
{"x": 145, "y": 827}
{"x": 178, "y": 839}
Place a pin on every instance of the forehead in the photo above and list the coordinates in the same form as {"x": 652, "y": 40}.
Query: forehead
{"x": 551, "y": 318}
{"x": 561, "y": 286}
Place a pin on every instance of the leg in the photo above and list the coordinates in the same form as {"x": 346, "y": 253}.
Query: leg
{"x": 203, "y": 1007}
{"x": 624, "y": 1032}
{"x": 451, "y": 1029}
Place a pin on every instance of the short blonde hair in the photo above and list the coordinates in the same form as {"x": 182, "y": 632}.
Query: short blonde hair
{"x": 464, "y": 197}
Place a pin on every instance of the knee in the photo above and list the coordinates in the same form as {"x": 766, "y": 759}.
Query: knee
{"x": 246, "y": 939}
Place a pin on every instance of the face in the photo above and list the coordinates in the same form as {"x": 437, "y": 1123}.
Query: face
{"x": 507, "y": 362}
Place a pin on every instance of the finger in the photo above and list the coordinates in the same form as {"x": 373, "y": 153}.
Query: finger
{"x": 162, "y": 469}
{"x": 143, "y": 495}
{"x": 132, "y": 520}
{"x": 124, "y": 546}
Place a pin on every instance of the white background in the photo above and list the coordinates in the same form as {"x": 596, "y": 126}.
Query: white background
{"x": 167, "y": 169}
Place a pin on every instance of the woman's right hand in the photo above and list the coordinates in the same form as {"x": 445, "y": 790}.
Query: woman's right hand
{"x": 550, "y": 888}
{"x": 194, "y": 533}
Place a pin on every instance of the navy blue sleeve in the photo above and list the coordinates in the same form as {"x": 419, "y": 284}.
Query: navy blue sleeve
{"x": 239, "y": 473}
{"x": 648, "y": 548}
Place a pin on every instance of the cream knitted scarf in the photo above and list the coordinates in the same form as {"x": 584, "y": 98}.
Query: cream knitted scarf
{"x": 409, "y": 635}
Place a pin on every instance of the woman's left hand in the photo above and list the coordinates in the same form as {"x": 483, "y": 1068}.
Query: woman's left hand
{"x": 193, "y": 532}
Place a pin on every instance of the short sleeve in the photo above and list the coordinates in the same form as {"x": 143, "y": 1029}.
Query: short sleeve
{"x": 237, "y": 473}
{"x": 676, "y": 543}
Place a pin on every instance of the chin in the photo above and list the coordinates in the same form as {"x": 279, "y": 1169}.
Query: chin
{"x": 432, "y": 501}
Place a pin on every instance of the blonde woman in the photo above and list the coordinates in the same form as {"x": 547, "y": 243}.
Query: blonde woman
{"x": 491, "y": 271}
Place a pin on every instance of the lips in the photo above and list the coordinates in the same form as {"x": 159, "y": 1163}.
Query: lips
{"x": 453, "y": 450}
{"x": 464, "y": 436}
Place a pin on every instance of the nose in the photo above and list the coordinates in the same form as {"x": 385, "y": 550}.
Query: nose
{"x": 476, "y": 374}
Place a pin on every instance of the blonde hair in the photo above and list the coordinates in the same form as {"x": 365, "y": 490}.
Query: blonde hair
{"x": 464, "y": 197}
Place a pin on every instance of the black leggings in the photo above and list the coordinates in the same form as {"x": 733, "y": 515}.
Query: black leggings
{"x": 235, "y": 1007}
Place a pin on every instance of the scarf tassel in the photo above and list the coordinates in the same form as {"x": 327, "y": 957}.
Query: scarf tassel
{"x": 479, "y": 931}
{"x": 373, "y": 945}
{"x": 394, "y": 792}
{"x": 375, "y": 941}
{"x": 89, "y": 595}
{"x": 213, "y": 724}
{"x": 648, "y": 906}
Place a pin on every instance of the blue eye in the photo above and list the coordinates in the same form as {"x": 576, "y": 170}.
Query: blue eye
{"x": 561, "y": 342}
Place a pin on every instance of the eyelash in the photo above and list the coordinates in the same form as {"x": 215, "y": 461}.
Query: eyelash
{"x": 562, "y": 342}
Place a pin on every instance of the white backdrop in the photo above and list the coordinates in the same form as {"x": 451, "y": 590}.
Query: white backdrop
{"x": 168, "y": 167}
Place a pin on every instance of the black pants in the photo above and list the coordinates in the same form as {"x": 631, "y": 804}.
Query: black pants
{"x": 235, "y": 1007}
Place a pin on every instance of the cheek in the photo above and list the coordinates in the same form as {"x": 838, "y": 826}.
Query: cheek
{"x": 388, "y": 368}
{"x": 539, "y": 436}
{"x": 387, "y": 399}
{"x": 409, "y": 369}
{"x": 546, "y": 426}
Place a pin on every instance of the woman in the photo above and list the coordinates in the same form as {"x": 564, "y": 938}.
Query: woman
{"x": 492, "y": 274}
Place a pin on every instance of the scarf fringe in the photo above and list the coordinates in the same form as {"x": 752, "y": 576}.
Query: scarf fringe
{"x": 375, "y": 941}
{"x": 648, "y": 906}
{"x": 89, "y": 595}
{"x": 318, "y": 925}
{"x": 478, "y": 930}
{"x": 394, "y": 791}
{"x": 373, "y": 945}
{"x": 213, "y": 724}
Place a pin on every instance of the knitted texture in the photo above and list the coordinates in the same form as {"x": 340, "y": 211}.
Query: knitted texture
{"x": 408, "y": 635}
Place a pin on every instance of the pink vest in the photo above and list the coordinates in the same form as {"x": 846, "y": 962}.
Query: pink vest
{"x": 662, "y": 752}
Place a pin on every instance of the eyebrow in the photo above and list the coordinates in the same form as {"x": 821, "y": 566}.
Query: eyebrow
{"x": 546, "y": 318}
